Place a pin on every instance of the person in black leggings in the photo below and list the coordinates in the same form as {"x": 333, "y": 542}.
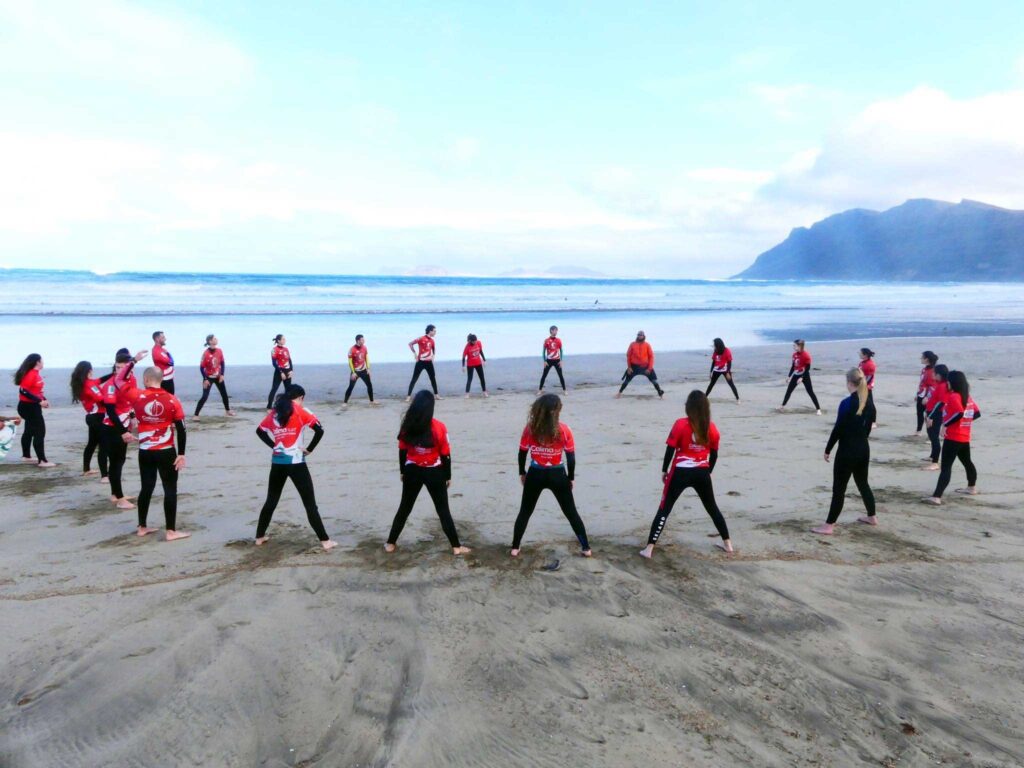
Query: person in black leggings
{"x": 545, "y": 440}
{"x": 31, "y": 402}
{"x": 281, "y": 430}
{"x": 213, "y": 369}
{"x": 933, "y": 413}
{"x": 853, "y": 426}
{"x": 284, "y": 370}
{"x": 552, "y": 354}
{"x": 423, "y": 350}
{"x": 424, "y": 460}
{"x": 88, "y": 391}
{"x": 925, "y": 386}
{"x": 359, "y": 369}
{"x": 721, "y": 365}
{"x": 800, "y": 370}
{"x": 474, "y": 359}
{"x": 691, "y": 452}
{"x": 959, "y": 412}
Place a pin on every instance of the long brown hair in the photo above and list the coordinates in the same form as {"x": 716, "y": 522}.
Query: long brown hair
{"x": 698, "y": 411}
{"x": 543, "y": 419}
{"x": 78, "y": 378}
{"x": 27, "y": 365}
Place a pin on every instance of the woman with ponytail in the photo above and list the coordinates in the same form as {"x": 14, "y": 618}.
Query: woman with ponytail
{"x": 282, "y": 430}
{"x": 933, "y": 413}
{"x": 691, "y": 453}
{"x": 31, "y": 402}
{"x": 212, "y": 367}
{"x": 853, "y": 425}
{"x": 959, "y": 412}
{"x": 89, "y": 392}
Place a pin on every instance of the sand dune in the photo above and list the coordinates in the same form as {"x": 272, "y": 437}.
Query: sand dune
{"x": 896, "y": 646}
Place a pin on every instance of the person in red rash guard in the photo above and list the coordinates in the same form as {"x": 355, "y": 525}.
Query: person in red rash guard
{"x": 423, "y": 350}
{"x": 640, "y": 362}
{"x": 89, "y": 392}
{"x": 359, "y": 369}
{"x": 118, "y": 392}
{"x": 160, "y": 421}
{"x": 800, "y": 370}
{"x": 933, "y": 414}
{"x": 424, "y": 460}
{"x": 721, "y": 365}
{"x": 213, "y": 369}
{"x": 31, "y": 402}
{"x": 959, "y": 412}
{"x": 473, "y": 359}
{"x": 691, "y": 452}
{"x": 924, "y": 386}
{"x": 552, "y": 353}
{"x": 281, "y": 359}
{"x": 163, "y": 360}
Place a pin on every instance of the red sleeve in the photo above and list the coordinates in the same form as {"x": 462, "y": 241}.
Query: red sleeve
{"x": 441, "y": 439}
{"x": 807, "y": 359}
{"x": 675, "y": 434}
{"x": 568, "y": 442}
{"x": 466, "y": 350}
{"x": 178, "y": 411}
{"x": 308, "y": 419}
{"x": 713, "y": 437}
{"x": 268, "y": 422}
{"x": 526, "y": 440}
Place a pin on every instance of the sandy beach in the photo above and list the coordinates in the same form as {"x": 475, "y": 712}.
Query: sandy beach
{"x": 893, "y": 646}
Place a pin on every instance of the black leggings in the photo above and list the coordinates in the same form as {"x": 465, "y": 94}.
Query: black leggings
{"x": 167, "y": 385}
{"x": 117, "y": 454}
{"x": 728, "y": 380}
{"x": 796, "y": 379}
{"x": 920, "y": 412}
{"x": 95, "y": 424}
{"x": 413, "y": 479}
{"x": 303, "y": 482}
{"x": 479, "y": 372}
{"x": 557, "y": 481}
{"x": 152, "y": 463}
{"x": 278, "y": 379}
{"x": 423, "y": 365}
{"x": 843, "y": 468}
{"x": 221, "y": 387}
{"x": 933, "y": 435}
{"x": 648, "y": 372}
{"x": 951, "y": 451}
{"x": 548, "y": 365}
{"x": 681, "y": 478}
{"x": 35, "y": 430}
{"x": 365, "y": 376}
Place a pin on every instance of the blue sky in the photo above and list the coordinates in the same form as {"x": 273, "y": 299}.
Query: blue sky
{"x": 667, "y": 139}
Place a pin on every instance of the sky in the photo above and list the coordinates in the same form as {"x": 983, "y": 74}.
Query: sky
{"x": 676, "y": 139}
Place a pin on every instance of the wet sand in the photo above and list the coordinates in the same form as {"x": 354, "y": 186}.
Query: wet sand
{"x": 894, "y": 646}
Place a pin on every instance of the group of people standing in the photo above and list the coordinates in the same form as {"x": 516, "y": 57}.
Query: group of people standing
{"x": 114, "y": 404}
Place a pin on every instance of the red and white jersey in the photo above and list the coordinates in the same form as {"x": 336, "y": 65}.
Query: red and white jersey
{"x": 926, "y": 383}
{"x": 961, "y": 430}
{"x": 548, "y": 454}
{"x": 868, "y": 368}
{"x": 162, "y": 359}
{"x": 939, "y": 393}
{"x": 720, "y": 362}
{"x": 801, "y": 362}
{"x": 120, "y": 391}
{"x": 690, "y": 453}
{"x": 156, "y": 410}
{"x": 430, "y": 455}
{"x": 552, "y": 348}
{"x": 281, "y": 357}
{"x": 473, "y": 354}
{"x": 425, "y": 348}
{"x": 92, "y": 396}
{"x": 31, "y": 382}
{"x": 357, "y": 357}
{"x": 288, "y": 445}
{"x": 212, "y": 363}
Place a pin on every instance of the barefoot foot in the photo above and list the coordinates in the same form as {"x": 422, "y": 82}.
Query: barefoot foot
{"x": 725, "y": 546}
{"x": 328, "y": 545}
{"x": 389, "y": 547}
{"x": 513, "y": 553}
{"x": 175, "y": 535}
{"x": 144, "y": 531}
{"x": 931, "y": 468}
{"x": 587, "y": 553}
{"x": 124, "y": 504}
{"x": 971, "y": 491}
{"x": 261, "y": 540}
{"x": 461, "y": 550}
{"x": 105, "y": 480}
{"x": 933, "y": 500}
{"x": 868, "y": 520}
{"x": 46, "y": 464}
{"x": 89, "y": 472}
{"x": 824, "y": 529}
{"x": 647, "y": 551}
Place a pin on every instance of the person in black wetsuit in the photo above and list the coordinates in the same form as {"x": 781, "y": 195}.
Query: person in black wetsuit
{"x": 89, "y": 392}
{"x": 851, "y": 430}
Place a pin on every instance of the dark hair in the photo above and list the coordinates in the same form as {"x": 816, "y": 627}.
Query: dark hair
{"x": 278, "y": 338}
{"x": 719, "y": 346}
{"x": 866, "y": 352}
{"x": 123, "y": 356}
{"x": 543, "y": 419}
{"x": 552, "y": 328}
{"x": 471, "y": 338}
{"x": 284, "y": 406}
{"x": 78, "y": 377}
{"x": 27, "y": 365}
{"x": 930, "y": 356}
{"x": 698, "y": 411}
{"x": 417, "y": 419}
{"x": 941, "y": 371}
{"x": 430, "y": 328}
{"x": 359, "y": 336}
{"x": 800, "y": 343}
{"x": 957, "y": 382}
{"x": 155, "y": 334}
{"x": 208, "y": 337}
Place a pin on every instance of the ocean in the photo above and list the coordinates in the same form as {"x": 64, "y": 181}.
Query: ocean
{"x": 70, "y": 316}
